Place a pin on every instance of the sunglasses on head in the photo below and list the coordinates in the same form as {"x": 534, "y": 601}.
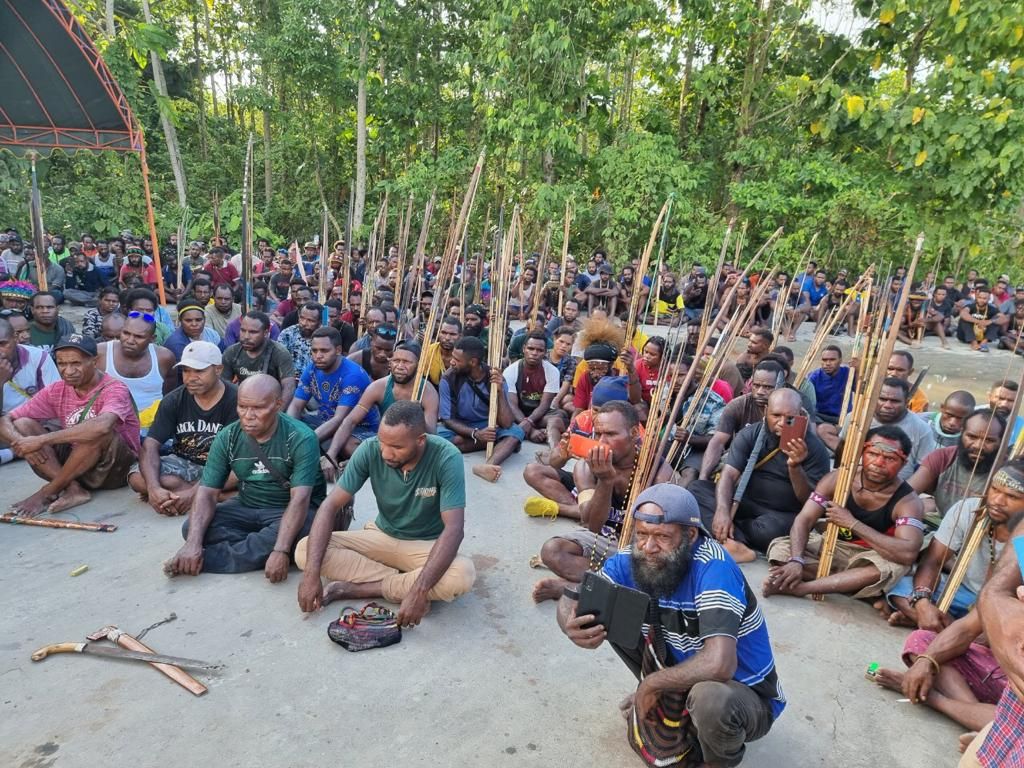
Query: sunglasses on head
{"x": 387, "y": 331}
{"x": 144, "y": 315}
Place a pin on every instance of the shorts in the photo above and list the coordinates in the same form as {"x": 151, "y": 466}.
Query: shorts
{"x": 963, "y": 600}
{"x": 567, "y": 480}
{"x": 176, "y": 466}
{"x": 845, "y": 557}
{"x": 111, "y": 471}
{"x": 597, "y": 547}
{"x": 977, "y": 665}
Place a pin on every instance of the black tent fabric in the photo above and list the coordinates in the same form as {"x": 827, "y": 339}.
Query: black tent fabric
{"x": 55, "y": 90}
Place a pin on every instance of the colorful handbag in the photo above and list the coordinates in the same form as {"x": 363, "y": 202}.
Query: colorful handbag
{"x": 372, "y": 626}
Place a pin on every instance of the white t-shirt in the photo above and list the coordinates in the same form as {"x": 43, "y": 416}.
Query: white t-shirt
{"x": 955, "y": 527}
{"x": 551, "y": 381}
{"x": 36, "y": 367}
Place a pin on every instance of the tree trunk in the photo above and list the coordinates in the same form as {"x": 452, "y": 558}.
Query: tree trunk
{"x": 197, "y": 72}
{"x": 268, "y": 167}
{"x": 684, "y": 88}
{"x": 581, "y": 138}
{"x": 206, "y": 45}
{"x": 173, "y": 151}
{"x": 360, "y": 202}
{"x": 109, "y": 8}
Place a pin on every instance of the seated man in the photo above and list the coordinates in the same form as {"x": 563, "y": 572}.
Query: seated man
{"x": 714, "y": 669}
{"x": 256, "y": 353}
{"x": 375, "y": 360}
{"x": 336, "y": 384}
{"x": 464, "y": 409}
{"x": 276, "y": 461}
{"x": 829, "y": 382}
{"x": 979, "y": 321}
{"x": 298, "y": 338}
{"x": 710, "y": 405}
{"x": 738, "y": 413}
{"x": 1000, "y": 400}
{"x": 98, "y": 437}
{"x": 891, "y": 410}
{"x": 378, "y": 397}
{"x": 24, "y": 371}
{"x": 948, "y": 422}
{"x": 595, "y": 494}
{"x": 949, "y": 475}
{"x": 439, "y": 354}
{"x": 135, "y": 359}
{"x": 409, "y": 555}
{"x": 532, "y": 385}
{"x": 759, "y": 344}
{"x": 780, "y": 480}
{"x": 901, "y": 366}
{"x": 912, "y": 598}
{"x": 868, "y": 559}
{"x": 190, "y": 416}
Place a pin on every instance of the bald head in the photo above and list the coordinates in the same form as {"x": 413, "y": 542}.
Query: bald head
{"x": 260, "y": 387}
{"x": 785, "y": 398}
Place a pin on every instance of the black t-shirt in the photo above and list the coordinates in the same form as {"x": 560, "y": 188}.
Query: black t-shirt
{"x": 180, "y": 418}
{"x": 770, "y": 486}
{"x": 348, "y": 334}
{"x": 280, "y": 285}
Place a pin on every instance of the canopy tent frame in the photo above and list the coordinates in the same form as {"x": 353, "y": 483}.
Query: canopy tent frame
{"x": 72, "y": 125}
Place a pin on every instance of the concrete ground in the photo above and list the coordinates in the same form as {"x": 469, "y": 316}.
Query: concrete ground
{"x": 486, "y": 680}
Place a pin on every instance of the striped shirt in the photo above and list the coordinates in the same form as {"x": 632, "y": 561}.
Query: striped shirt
{"x": 713, "y": 600}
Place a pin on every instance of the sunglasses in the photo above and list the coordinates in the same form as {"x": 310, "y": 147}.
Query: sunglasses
{"x": 144, "y": 315}
{"x": 387, "y": 331}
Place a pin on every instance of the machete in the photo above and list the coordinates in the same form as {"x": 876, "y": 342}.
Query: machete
{"x": 121, "y": 653}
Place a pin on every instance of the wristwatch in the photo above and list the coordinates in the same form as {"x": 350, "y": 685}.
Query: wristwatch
{"x": 919, "y": 594}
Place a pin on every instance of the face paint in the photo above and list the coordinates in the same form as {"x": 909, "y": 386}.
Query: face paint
{"x": 882, "y": 460}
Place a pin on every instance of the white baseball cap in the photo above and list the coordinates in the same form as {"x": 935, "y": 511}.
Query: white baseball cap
{"x": 200, "y": 355}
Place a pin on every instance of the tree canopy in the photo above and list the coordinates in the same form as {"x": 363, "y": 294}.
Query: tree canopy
{"x": 903, "y": 117}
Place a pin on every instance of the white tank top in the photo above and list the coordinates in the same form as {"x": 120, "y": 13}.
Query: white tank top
{"x": 145, "y": 390}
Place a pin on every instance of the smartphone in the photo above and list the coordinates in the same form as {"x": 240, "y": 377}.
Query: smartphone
{"x": 620, "y": 609}
{"x": 1018, "y": 547}
{"x": 794, "y": 429}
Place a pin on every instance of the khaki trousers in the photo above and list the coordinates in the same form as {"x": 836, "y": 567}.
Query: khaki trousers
{"x": 371, "y": 555}
{"x": 970, "y": 758}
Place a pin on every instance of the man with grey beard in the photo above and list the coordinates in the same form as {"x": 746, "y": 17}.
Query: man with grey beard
{"x": 704, "y": 660}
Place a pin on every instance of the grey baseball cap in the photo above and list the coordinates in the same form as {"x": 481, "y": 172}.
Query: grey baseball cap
{"x": 678, "y": 506}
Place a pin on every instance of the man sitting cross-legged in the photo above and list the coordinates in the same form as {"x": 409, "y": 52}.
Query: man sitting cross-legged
{"x": 705, "y": 656}
{"x": 190, "y": 416}
{"x": 336, "y": 384}
{"x": 377, "y": 398}
{"x": 98, "y": 438}
{"x": 532, "y": 384}
{"x": 912, "y": 598}
{"x": 951, "y": 668}
{"x": 409, "y": 555}
{"x": 275, "y": 459}
{"x": 780, "y": 482}
{"x": 597, "y": 496}
{"x": 868, "y": 559}
{"x": 464, "y": 409}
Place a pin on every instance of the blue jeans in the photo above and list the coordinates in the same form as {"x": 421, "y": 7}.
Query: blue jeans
{"x": 514, "y": 431}
{"x": 963, "y": 600}
{"x": 240, "y": 539}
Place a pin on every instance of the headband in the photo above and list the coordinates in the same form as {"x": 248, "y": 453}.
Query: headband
{"x": 1003, "y": 478}
{"x": 600, "y": 351}
{"x": 17, "y": 289}
{"x": 886, "y": 448}
{"x": 187, "y": 307}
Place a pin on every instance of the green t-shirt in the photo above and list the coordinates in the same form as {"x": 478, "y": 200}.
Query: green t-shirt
{"x": 294, "y": 451}
{"x": 409, "y": 505}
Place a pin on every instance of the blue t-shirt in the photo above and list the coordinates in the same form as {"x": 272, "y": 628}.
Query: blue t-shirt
{"x": 713, "y": 600}
{"x": 343, "y": 388}
{"x": 829, "y": 390}
{"x": 470, "y": 408}
{"x": 815, "y": 292}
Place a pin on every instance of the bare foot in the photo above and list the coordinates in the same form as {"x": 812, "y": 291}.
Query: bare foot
{"x": 33, "y": 506}
{"x": 489, "y": 472}
{"x": 897, "y": 619}
{"x": 74, "y": 495}
{"x": 966, "y": 739}
{"x": 537, "y": 562}
{"x": 890, "y": 678}
{"x": 335, "y": 590}
{"x": 882, "y": 606}
{"x": 549, "y": 589}
{"x": 741, "y": 553}
{"x": 626, "y": 705}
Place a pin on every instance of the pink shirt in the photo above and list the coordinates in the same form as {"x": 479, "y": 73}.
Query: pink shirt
{"x": 60, "y": 401}
{"x": 147, "y": 273}
{"x": 723, "y": 389}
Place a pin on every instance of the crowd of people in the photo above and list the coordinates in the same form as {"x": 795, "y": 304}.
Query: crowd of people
{"x": 258, "y": 412}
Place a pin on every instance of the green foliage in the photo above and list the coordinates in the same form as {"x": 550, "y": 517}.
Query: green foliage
{"x": 742, "y": 110}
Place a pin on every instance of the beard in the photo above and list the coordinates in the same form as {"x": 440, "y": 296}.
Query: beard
{"x": 661, "y": 576}
{"x": 984, "y": 463}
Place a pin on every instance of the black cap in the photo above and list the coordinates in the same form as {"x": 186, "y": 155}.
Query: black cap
{"x": 83, "y": 344}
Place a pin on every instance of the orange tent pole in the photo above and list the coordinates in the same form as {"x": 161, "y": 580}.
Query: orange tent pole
{"x": 151, "y": 218}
